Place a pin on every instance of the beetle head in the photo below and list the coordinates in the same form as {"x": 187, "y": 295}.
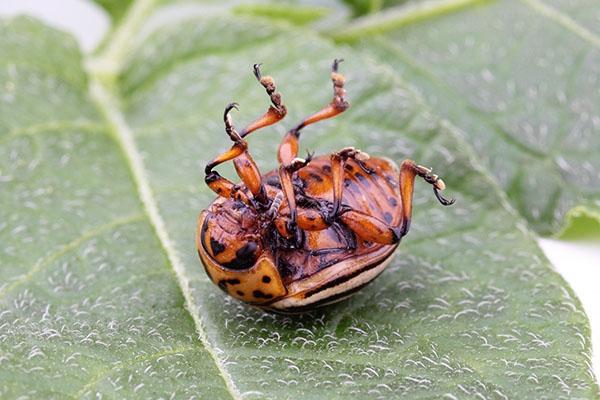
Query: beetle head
{"x": 256, "y": 280}
{"x": 230, "y": 235}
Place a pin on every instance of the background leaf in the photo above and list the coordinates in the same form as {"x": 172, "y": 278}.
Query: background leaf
{"x": 116, "y": 8}
{"x": 469, "y": 306}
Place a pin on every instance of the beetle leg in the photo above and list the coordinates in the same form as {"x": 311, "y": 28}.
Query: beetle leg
{"x": 308, "y": 219}
{"x": 244, "y": 165}
{"x": 338, "y": 160}
{"x": 373, "y": 229}
{"x": 408, "y": 171}
{"x": 370, "y": 228}
{"x": 288, "y": 149}
{"x": 277, "y": 109}
{"x": 286, "y": 172}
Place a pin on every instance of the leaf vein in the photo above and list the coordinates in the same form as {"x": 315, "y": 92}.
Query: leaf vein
{"x": 66, "y": 248}
{"x": 563, "y": 20}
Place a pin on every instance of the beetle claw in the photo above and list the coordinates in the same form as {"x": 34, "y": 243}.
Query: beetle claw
{"x": 443, "y": 201}
{"x": 228, "y": 109}
{"x": 256, "y": 68}
{"x": 309, "y": 157}
{"x": 336, "y": 64}
{"x": 297, "y": 234}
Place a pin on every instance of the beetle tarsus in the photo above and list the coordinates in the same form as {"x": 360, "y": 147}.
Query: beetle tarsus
{"x": 437, "y": 183}
{"x": 443, "y": 201}
{"x": 229, "y": 128}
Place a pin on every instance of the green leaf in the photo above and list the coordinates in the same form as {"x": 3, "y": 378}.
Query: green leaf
{"x": 100, "y": 196}
{"x": 116, "y": 8}
{"x": 519, "y": 78}
{"x": 581, "y": 223}
{"x": 298, "y": 15}
{"x": 361, "y": 7}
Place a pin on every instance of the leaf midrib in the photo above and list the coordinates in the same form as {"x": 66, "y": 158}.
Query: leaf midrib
{"x": 107, "y": 104}
{"x": 123, "y": 136}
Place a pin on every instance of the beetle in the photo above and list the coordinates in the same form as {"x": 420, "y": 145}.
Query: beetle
{"x": 315, "y": 230}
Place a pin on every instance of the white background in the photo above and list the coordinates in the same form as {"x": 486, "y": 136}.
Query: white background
{"x": 578, "y": 263}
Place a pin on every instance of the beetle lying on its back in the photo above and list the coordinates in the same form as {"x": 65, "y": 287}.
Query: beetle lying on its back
{"x": 315, "y": 230}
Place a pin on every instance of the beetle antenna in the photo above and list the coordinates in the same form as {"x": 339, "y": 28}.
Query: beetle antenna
{"x": 275, "y": 204}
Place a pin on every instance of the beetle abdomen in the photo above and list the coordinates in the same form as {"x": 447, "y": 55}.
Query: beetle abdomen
{"x": 335, "y": 283}
{"x": 371, "y": 188}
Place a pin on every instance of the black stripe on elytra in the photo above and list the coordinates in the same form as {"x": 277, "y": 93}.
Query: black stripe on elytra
{"x": 298, "y": 309}
{"x": 224, "y": 282}
{"x": 344, "y": 278}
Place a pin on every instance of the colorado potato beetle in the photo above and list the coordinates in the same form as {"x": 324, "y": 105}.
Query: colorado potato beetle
{"x": 312, "y": 232}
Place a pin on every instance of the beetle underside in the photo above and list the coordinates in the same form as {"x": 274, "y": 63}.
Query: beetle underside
{"x": 319, "y": 228}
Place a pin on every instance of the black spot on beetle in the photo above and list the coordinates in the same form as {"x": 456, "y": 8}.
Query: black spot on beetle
{"x": 247, "y": 251}
{"x": 361, "y": 177}
{"x": 273, "y": 180}
{"x": 216, "y": 246}
{"x": 238, "y": 205}
{"x": 393, "y": 202}
{"x": 244, "y": 257}
{"x": 316, "y": 177}
{"x": 224, "y": 282}
{"x": 266, "y": 279}
{"x": 240, "y": 293}
{"x": 260, "y": 295}
{"x": 387, "y": 217}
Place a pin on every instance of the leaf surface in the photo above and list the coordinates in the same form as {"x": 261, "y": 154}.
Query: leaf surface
{"x": 102, "y": 194}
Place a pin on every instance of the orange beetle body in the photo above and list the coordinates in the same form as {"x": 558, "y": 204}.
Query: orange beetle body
{"x": 330, "y": 265}
{"x": 315, "y": 230}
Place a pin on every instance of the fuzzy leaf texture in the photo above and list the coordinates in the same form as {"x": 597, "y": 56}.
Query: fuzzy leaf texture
{"x": 101, "y": 290}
